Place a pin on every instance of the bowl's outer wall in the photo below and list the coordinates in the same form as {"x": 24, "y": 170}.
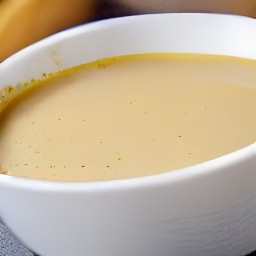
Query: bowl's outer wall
{"x": 208, "y": 211}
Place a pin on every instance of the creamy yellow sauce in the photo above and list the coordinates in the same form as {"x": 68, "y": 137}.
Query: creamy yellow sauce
{"x": 130, "y": 116}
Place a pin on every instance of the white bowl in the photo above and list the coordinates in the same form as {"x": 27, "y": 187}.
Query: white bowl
{"x": 207, "y": 209}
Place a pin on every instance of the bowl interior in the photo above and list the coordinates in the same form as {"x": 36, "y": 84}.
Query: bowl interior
{"x": 186, "y": 33}
{"x": 193, "y": 33}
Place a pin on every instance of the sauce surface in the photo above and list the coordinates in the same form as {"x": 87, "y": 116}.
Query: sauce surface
{"x": 130, "y": 116}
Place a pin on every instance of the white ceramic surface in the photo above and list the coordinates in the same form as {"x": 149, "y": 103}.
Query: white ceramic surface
{"x": 208, "y": 209}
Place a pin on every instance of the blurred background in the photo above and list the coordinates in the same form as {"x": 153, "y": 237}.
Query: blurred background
{"x": 23, "y": 22}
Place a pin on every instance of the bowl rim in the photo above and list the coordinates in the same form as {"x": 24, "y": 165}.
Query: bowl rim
{"x": 170, "y": 177}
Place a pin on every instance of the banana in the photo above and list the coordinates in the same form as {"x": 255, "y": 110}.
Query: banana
{"x": 23, "y": 22}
